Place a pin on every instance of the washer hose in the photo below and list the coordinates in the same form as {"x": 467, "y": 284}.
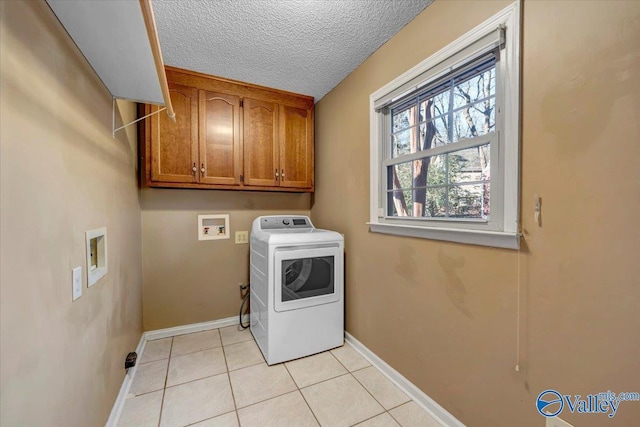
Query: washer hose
{"x": 244, "y": 301}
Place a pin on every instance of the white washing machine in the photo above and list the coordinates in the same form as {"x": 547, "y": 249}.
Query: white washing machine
{"x": 297, "y": 288}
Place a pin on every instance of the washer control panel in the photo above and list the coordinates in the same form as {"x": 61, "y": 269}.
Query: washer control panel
{"x": 285, "y": 222}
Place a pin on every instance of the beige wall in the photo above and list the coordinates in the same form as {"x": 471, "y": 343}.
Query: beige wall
{"x": 186, "y": 280}
{"x": 444, "y": 314}
{"x": 62, "y": 173}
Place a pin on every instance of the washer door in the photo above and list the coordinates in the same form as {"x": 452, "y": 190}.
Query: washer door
{"x": 306, "y": 277}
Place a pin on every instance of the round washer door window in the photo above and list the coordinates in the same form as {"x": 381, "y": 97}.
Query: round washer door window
{"x": 307, "y": 277}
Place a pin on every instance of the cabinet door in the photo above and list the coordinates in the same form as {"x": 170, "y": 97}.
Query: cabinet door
{"x": 174, "y": 145}
{"x": 260, "y": 141}
{"x": 296, "y": 147}
{"x": 220, "y": 143}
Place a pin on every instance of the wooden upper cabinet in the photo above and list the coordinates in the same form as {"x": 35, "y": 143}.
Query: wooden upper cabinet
{"x": 296, "y": 147}
{"x": 174, "y": 145}
{"x": 229, "y": 135}
{"x": 220, "y": 154}
{"x": 261, "y": 164}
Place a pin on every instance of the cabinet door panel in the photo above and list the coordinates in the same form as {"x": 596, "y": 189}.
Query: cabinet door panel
{"x": 296, "y": 147}
{"x": 174, "y": 144}
{"x": 260, "y": 143}
{"x": 220, "y": 148}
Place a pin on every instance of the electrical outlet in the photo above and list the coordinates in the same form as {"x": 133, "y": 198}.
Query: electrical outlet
{"x": 76, "y": 280}
{"x": 242, "y": 237}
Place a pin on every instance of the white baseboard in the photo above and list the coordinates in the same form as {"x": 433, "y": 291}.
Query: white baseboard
{"x": 418, "y": 396}
{"x": 194, "y": 327}
{"x": 116, "y": 411}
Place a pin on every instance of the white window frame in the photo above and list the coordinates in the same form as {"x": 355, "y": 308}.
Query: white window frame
{"x": 502, "y": 228}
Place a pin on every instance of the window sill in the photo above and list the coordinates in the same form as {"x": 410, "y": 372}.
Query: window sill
{"x": 473, "y": 237}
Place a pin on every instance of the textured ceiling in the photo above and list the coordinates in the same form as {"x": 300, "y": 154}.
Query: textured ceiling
{"x": 303, "y": 46}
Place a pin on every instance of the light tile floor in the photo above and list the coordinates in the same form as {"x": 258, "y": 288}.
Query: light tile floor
{"x": 218, "y": 378}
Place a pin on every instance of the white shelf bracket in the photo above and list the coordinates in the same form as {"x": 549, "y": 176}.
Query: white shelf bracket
{"x": 113, "y": 117}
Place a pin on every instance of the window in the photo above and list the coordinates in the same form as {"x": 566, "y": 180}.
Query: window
{"x": 445, "y": 142}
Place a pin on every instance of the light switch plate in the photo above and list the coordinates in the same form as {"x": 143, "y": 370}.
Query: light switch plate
{"x": 76, "y": 280}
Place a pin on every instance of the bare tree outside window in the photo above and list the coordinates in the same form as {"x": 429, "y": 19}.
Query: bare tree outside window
{"x": 455, "y": 183}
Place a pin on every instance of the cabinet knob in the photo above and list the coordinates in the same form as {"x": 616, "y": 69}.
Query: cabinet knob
{"x": 277, "y": 174}
{"x": 202, "y": 169}
{"x": 282, "y": 173}
{"x": 194, "y": 169}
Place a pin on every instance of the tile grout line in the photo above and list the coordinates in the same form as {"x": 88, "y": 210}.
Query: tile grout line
{"x": 248, "y": 366}
{"x": 402, "y": 404}
{"x": 194, "y": 352}
{"x": 239, "y": 342}
{"x": 197, "y": 379}
{"x": 370, "y": 418}
{"x": 321, "y": 381}
{"x": 146, "y": 349}
{"x": 394, "y": 418}
{"x": 345, "y": 366}
{"x": 367, "y": 390}
{"x": 371, "y": 394}
{"x": 362, "y": 385}
{"x": 207, "y": 419}
{"x": 333, "y": 378}
{"x": 233, "y": 396}
{"x": 302, "y": 394}
{"x": 342, "y": 364}
{"x": 264, "y": 400}
{"x": 205, "y": 377}
{"x": 166, "y": 376}
{"x": 379, "y": 403}
{"x": 235, "y": 410}
{"x": 262, "y": 360}
{"x": 133, "y": 394}
{"x": 197, "y": 351}
{"x": 278, "y": 395}
{"x": 362, "y": 369}
{"x": 348, "y": 372}
{"x": 193, "y": 333}
{"x": 324, "y": 381}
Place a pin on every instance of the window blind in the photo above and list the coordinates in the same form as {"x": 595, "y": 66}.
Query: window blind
{"x": 483, "y": 45}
